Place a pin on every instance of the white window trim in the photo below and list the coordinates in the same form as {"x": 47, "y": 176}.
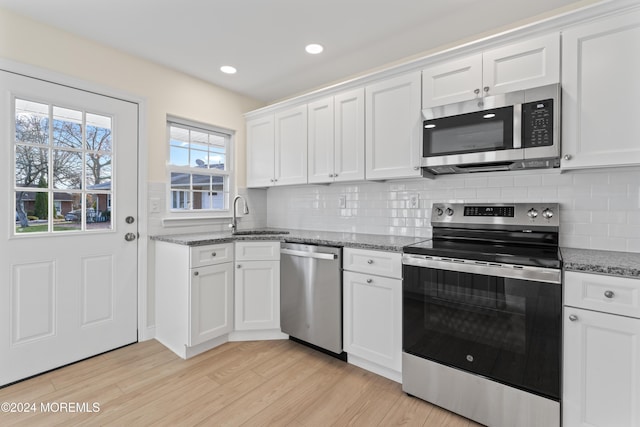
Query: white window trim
{"x": 176, "y": 217}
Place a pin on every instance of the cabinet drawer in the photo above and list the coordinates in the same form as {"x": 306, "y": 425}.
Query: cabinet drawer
{"x": 257, "y": 251}
{"x": 380, "y": 263}
{"x": 609, "y": 294}
{"x": 211, "y": 254}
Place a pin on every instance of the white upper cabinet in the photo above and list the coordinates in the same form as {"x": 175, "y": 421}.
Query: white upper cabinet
{"x": 530, "y": 63}
{"x": 601, "y": 93}
{"x": 453, "y": 81}
{"x": 291, "y": 146}
{"x": 277, "y": 148}
{"x": 260, "y": 151}
{"x": 336, "y": 138}
{"x": 393, "y": 128}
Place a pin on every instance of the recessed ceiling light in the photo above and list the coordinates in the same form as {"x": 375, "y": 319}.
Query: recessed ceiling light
{"x": 314, "y": 48}
{"x": 228, "y": 69}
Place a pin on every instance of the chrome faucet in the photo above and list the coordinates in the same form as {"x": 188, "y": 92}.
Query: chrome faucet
{"x": 234, "y": 221}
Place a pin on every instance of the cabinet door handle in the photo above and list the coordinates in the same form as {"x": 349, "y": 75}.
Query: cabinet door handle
{"x": 370, "y": 261}
{"x": 609, "y": 294}
{"x": 477, "y": 91}
{"x": 195, "y": 273}
{"x": 238, "y": 266}
{"x": 573, "y": 317}
{"x": 567, "y": 157}
{"x": 369, "y": 280}
{"x": 486, "y": 88}
{"x": 213, "y": 254}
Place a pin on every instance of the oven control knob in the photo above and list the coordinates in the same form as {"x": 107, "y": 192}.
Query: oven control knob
{"x": 449, "y": 211}
{"x": 532, "y": 213}
{"x": 439, "y": 211}
{"x": 547, "y": 213}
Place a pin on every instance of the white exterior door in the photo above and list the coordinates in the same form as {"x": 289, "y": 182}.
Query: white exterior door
{"x": 68, "y": 277}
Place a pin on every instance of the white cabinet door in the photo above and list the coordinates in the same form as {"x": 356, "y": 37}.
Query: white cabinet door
{"x": 260, "y": 151}
{"x": 373, "y": 318}
{"x": 291, "y": 146}
{"x": 336, "y": 138}
{"x": 211, "y": 302}
{"x": 321, "y": 141}
{"x": 257, "y": 295}
{"x": 601, "y": 370}
{"x": 349, "y": 136}
{"x": 393, "y": 128}
{"x": 523, "y": 65}
{"x": 453, "y": 81}
{"x": 601, "y": 89}
{"x": 530, "y": 63}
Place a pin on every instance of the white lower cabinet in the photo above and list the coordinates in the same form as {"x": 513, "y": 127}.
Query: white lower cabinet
{"x": 257, "y": 290}
{"x": 194, "y": 296}
{"x": 601, "y": 367}
{"x": 372, "y": 313}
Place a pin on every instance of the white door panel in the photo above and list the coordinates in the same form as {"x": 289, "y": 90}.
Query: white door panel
{"x": 68, "y": 288}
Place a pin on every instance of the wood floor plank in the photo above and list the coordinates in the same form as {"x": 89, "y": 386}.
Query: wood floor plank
{"x": 260, "y": 383}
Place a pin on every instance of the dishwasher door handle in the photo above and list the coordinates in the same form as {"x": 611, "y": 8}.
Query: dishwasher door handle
{"x": 305, "y": 254}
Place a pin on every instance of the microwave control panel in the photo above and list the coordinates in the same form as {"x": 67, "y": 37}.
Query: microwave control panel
{"x": 537, "y": 123}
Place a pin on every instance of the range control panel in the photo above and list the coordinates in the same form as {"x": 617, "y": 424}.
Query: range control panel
{"x": 495, "y": 215}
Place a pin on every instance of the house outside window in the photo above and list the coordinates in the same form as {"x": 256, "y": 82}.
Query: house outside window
{"x": 199, "y": 168}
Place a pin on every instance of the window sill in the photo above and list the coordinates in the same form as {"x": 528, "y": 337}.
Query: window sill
{"x": 182, "y": 221}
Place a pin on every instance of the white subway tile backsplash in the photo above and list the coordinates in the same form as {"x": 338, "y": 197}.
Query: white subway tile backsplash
{"x": 599, "y": 209}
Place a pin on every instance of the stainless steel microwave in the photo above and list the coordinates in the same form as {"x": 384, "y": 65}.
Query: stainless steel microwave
{"x": 516, "y": 130}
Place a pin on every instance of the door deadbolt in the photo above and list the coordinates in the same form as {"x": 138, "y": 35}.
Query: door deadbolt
{"x": 130, "y": 220}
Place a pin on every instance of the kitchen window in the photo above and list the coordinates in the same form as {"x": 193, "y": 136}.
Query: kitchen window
{"x": 199, "y": 168}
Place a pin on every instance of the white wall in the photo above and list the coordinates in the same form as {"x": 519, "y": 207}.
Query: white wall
{"x": 600, "y": 209}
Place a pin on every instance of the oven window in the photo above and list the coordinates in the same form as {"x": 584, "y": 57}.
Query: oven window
{"x": 504, "y": 329}
{"x": 469, "y": 133}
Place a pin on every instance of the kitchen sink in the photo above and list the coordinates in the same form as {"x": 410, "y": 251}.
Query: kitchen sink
{"x": 257, "y": 232}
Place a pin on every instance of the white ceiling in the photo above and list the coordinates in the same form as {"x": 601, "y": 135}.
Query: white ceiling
{"x": 265, "y": 39}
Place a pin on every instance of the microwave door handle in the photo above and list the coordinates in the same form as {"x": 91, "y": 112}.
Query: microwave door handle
{"x": 488, "y": 168}
{"x": 517, "y": 126}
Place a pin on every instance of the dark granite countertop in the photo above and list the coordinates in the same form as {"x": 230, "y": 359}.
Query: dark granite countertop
{"x": 625, "y": 264}
{"x": 327, "y": 238}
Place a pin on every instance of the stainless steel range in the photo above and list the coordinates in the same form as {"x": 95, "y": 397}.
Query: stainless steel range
{"x": 482, "y": 313}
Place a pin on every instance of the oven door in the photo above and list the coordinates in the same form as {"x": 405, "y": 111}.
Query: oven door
{"x": 505, "y": 328}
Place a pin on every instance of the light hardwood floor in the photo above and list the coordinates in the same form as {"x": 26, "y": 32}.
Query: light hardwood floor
{"x": 265, "y": 383}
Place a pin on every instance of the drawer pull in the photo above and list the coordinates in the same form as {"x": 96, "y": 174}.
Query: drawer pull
{"x": 609, "y": 294}
{"x": 195, "y": 273}
{"x": 573, "y": 317}
{"x": 238, "y": 266}
{"x": 369, "y": 280}
{"x": 370, "y": 261}
{"x": 213, "y": 254}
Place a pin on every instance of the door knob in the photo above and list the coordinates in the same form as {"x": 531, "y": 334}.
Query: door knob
{"x": 129, "y": 237}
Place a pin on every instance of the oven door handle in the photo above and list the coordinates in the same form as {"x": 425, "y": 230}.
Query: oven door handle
{"x": 512, "y": 271}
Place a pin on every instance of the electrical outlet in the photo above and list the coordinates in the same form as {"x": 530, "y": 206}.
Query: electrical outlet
{"x": 413, "y": 201}
{"x": 342, "y": 202}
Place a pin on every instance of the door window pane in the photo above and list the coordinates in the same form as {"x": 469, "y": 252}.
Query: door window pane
{"x": 32, "y": 122}
{"x": 32, "y": 164}
{"x": 98, "y": 133}
{"x": 67, "y": 170}
{"x": 67, "y": 127}
{"x": 32, "y": 212}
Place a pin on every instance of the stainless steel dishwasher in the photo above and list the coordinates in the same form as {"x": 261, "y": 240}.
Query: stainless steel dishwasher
{"x": 311, "y": 295}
